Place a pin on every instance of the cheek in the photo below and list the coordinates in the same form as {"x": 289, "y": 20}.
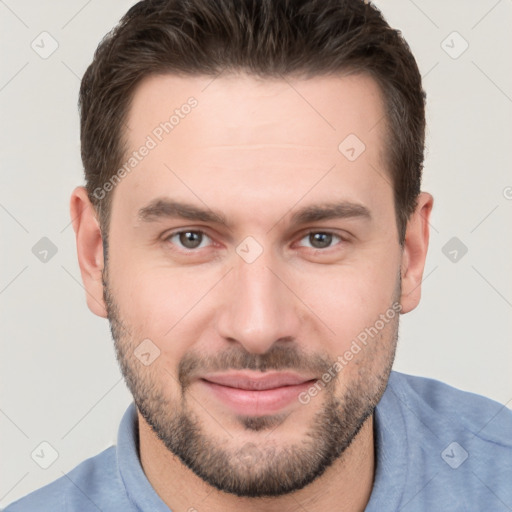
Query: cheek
{"x": 358, "y": 307}
{"x": 161, "y": 304}
{"x": 349, "y": 299}
{"x": 153, "y": 303}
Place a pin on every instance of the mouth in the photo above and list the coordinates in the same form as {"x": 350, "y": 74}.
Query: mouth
{"x": 256, "y": 393}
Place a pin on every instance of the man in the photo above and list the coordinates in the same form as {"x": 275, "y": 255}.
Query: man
{"x": 252, "y": 226}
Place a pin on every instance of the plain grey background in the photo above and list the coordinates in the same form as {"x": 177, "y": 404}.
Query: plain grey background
{"x": 60, "y": 381}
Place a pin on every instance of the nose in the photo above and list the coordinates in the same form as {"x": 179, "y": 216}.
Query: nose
{"x": 258, "y": 309}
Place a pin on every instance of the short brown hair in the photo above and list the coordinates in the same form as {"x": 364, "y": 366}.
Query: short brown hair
{"x": 268, "y": 38}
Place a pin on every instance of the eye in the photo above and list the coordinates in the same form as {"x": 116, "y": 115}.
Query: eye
{"x": 320, "y": 239}
{"x": 188, "y": 239}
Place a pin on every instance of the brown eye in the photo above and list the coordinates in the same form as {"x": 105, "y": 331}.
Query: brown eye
{"x": 320, "y": 240}
{"x": 188, "y": 239}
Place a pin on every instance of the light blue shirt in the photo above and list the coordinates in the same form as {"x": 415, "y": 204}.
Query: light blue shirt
{"x": 438, "y": 449}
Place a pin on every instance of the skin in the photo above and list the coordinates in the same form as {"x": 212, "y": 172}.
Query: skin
{"x": 256, "y": 151}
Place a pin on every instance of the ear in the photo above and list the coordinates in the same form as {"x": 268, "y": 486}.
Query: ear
{"x": 89, "y": 245}
{"x": 415, "y": 252}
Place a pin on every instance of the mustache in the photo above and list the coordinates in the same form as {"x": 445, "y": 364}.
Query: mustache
{"x": 279, "y": 357}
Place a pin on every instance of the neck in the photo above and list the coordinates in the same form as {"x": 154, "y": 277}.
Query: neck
{"x": 345, "y": 486}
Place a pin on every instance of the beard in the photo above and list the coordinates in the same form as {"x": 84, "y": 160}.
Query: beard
{"x": 261, "y": 468}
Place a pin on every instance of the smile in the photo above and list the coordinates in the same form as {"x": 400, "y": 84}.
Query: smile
{"x": 256, "y": 393}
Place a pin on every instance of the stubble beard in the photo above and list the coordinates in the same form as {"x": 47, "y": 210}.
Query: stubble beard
{"x": 262, "y": 468}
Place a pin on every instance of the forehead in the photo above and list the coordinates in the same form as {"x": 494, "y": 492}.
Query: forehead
{"x": 237, "y": 137}
{"x": 245, "y": 109}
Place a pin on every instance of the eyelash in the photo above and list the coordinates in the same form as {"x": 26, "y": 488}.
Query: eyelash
{"x": 307, "y": 234}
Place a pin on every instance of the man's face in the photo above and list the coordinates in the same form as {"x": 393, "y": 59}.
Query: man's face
{"x": 239, "y": 319}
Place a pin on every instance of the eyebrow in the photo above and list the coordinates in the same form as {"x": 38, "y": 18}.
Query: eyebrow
{"x": 163, "y": 208}
{"x": 166, "y": 208}
{"x": 342, "y": 210}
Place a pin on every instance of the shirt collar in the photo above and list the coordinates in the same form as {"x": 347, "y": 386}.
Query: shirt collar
{"x": 391, "y": 452}
{"x": 137, "y": 486}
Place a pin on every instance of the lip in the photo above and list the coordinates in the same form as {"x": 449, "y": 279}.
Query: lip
{"x": 256, "y": 393}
